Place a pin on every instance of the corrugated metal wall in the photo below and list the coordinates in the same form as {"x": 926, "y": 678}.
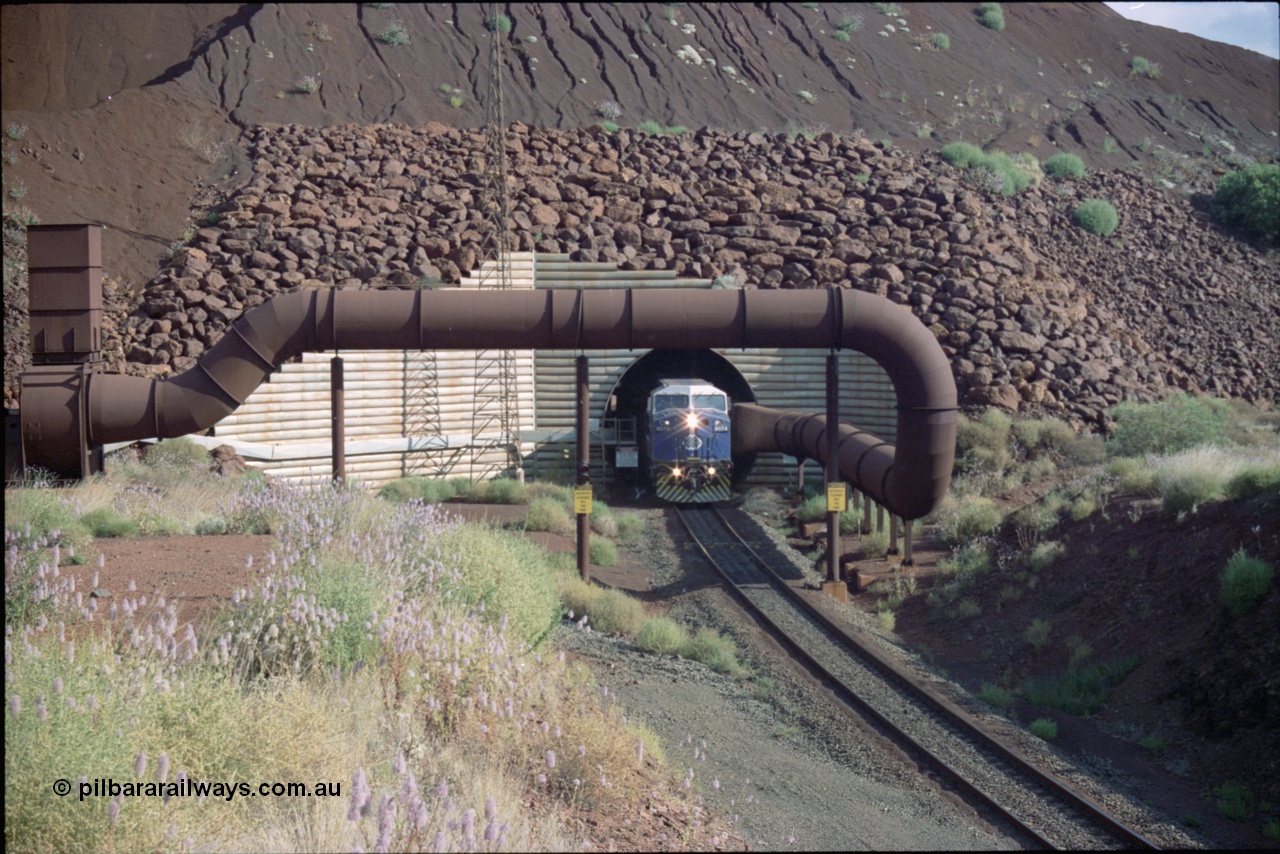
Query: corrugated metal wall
{"x": 292, "y": 410}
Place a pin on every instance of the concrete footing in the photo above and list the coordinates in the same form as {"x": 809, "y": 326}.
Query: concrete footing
{"x": 837, "y": 590}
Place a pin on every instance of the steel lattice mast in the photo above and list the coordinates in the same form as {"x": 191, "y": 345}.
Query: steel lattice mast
{"x": 495, "y": 419}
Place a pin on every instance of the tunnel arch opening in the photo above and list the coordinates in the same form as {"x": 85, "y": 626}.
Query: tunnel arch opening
{"x": 630, "y": 395}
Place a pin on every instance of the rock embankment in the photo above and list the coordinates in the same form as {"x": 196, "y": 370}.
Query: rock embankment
{"x": 1033, "y": 311}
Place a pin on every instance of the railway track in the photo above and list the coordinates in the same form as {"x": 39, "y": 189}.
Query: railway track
{"x": 1048, "y": 811}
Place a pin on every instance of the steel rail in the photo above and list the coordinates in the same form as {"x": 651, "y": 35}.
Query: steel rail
{"x": 1125, "y": 835}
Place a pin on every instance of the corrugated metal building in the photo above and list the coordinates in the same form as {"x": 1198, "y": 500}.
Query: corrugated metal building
{"x": 396, "y": 426}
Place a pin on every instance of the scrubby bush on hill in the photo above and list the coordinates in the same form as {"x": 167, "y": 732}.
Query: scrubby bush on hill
{"x": 1167, "y": 426}
{"x": 1064, "y": 165}
{"x": 1013, "y": 175}
{"x": 1096, "y": 216}
{"x": 1249, "y": 201}
{"x": 991, "y": 16}
{"x": 1245, "y": 583}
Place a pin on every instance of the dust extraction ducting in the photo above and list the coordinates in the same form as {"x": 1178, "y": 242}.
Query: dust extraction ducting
{"x": 65, "y": 417}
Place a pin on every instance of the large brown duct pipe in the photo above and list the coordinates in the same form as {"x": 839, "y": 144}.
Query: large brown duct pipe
{"x": 910, "y": 482}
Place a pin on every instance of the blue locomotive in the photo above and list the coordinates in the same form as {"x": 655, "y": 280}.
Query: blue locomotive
{"x": 688, "y": 441}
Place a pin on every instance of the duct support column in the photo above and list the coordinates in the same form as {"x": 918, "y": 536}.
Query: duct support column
{"x": 337, "y": 427}
{"x": 907, "y": 559}
{"x": 833, "y": 587}
{"x": 582, "y": 509}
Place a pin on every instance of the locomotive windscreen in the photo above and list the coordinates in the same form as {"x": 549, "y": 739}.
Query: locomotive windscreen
{"x": 670, "y": 401}
{"x": 710, "y": 401}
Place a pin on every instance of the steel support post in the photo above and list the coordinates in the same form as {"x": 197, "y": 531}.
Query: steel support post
{"x": 337, "y": 427}
{"x": 584, "y": 468}
{"x": 907, "y": 560}
{"x": 893, "y": 534}
{"x": 879, "y": 518}
{"x": 834, "y": 586}
{"x": 833, "y": 465}
{"x": 866, "y": 513}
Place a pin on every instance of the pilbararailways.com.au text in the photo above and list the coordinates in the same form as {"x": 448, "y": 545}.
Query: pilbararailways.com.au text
{"x": 187, "y": 788}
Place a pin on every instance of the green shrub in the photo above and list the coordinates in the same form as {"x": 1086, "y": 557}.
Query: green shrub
{"x": 841, "y": 35}
{"x": 510, "y": 574}
{"x": 983, "y": 445}
{"x": 1064, "y": 165}
{"x": 1011, "y": 176}
{"x": 850, "y": 23}
{"x": 545, "y": 489}
{"x": 1167, "y": 426}
{"x": 661, "y": 636}
{"x": 1139, "y": 65}
{"x": 962, "y": 155}
{"x": 713, "y": 650}
{"x": 107, "y": 523}
{"x": 395, "y": 34}
{"x": 618, "y": 613}
{"x": 1245, "y": 583}
{"x": 608, "y": 125}
{"x": 1096, "y": 216}
{"x": 874, "y": 545}
{"x": 344, "y": 584}
{"x": 973, "y": 559}
{"x": 994, "y": 695}
{"x": 630, "y": 526}
{"x": 1249, "y": 201}
{"x": 602, "y": 521}
{"x": 505, "y": 490}
{"x": 1184, "y": 486}
{"x": 211, "y": 526}
{"x": 1154, "y": 743}
{"x": 45, "y": 512}
{"x": 499, "y": 23}
{"x": 611, "y": 611}
{"x": 941, "y": 41}
{"x": 991, "y": 16}
{"x": 548, "y": 514}
{"x": 1235, "y": 802}
{"x": 1079, "y": 691}
{"x": 814, "y": 509}
{"x": 973, "y": 517}
{"x": 1254, "y": 480}
{"x": 1037, "y": 633}
{"x": 851, "y": 519}
{"x": 430, "y": 490}
{"x": 1044, "y": 728}
{"x": 1133, "y": 477}
{"x": 1044, "y": 554}
{"x": 603, "y": 552}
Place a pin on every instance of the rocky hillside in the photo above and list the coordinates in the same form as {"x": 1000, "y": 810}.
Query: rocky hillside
{"x": 1032, "y": 309}
{"x": 245, "y": 151}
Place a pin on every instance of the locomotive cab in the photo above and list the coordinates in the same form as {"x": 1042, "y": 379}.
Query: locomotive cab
{"x": 689, "y": 441}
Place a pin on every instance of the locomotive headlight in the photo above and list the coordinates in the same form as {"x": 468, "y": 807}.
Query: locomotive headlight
{"x": 675, "y": 472}
{"x": 711, "y": 471}
{"x": 691, "y": 421}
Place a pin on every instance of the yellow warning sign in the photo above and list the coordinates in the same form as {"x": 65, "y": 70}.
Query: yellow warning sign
{"x": 582, "y": 500}
{"x": 837, "y": 499}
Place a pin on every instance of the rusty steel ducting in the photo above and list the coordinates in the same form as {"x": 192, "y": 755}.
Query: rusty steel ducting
{"x": 909, "y": 480}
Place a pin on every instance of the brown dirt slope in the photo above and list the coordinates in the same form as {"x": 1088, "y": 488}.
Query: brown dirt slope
{"x": 131, "y": 110}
